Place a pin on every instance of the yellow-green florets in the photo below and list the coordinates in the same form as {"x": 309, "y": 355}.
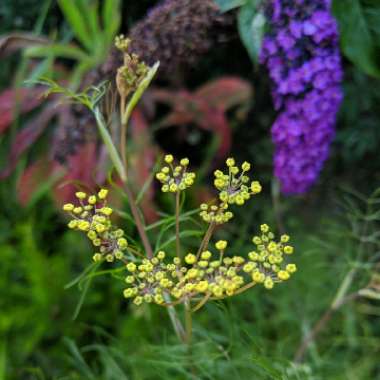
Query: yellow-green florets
{"x": 235, "y": 186}
{"x": 215, "y": 276}
{"x": 175, "y": 178}
{"x": 92, "y": 216}
{"x": 215, "y": 214}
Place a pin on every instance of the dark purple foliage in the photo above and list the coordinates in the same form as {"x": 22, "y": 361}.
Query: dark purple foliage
{"x": 302, "y": 55}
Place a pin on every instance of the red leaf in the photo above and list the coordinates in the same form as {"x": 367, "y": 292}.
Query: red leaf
{"x": 142, "y": 162}
{"x": 27, "y": 136}
{"x": 80, "y": 172}
{"x": 14, "y": 102}
{"x": 32, "y": 178}
{"x": 194, "y": 108}
{"x": 225, "y": 93}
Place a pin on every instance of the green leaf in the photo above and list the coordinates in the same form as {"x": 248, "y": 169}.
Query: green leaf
{"x": 112, "y": 151}
{"x": 251, "y": 22}
{"x": 139, "y": 92}
{"x": 227, "y": 5}
{"x": 58, "y": 50}
{"x": 111, "y": 19}
{"x": 357, "y": 41}
{"x": 93, "y": 22}
{"x": 79, "y": 361}
{"x": 77, "y": 21}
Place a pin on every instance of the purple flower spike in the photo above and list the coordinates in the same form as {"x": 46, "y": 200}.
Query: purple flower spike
{"x": 302, "y": 55}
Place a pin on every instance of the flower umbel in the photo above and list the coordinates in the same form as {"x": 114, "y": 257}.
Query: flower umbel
{"x": 234, "y": 186}
{"x": 92, "y": 216}
{"x": 210, "y": 274}
{"x": 214, "y": 277}
{"x": 175, "y": 178}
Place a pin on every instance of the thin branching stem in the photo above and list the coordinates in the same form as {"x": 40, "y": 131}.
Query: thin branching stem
{"x": 206, "y": 238}
{"x": 177, "y": 236}
{"x": 321, "y": 324}
{"x": 139, "y": 222}
{"x": 201, "y": 303}
{"x": 123, "y": 134}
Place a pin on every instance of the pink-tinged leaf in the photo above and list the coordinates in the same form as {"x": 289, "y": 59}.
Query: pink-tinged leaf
{"x": 225, "y": 93}
{"x": 14, "y": 102}
{"x": 32, "y": 177}
{"x": 190, "y": 108}
{"x": 80, "y": 173}
{"x": 216, "y": 122}
{"x": 26, "y": 137}
{"x": 141, "y": 163}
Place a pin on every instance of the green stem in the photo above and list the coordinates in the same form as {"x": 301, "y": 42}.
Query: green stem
{"x": 114, "y": 155}
{"x": 206, "y": 238}
{"x": 189, "y": 336}
{"x": 177, "y": 238}
{"x": 139, "y": 222}
{"x": 123, "y": 135}
{"x": 188, "y": 324}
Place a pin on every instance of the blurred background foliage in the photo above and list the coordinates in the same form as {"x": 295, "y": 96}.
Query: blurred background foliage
{"x": 254, "y": 336}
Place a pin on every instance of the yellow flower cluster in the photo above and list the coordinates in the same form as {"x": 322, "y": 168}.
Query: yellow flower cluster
{"x": 175, "y": 178}
{"x": 201, "y": 276}
{"x": 92, "y": 216}
{"x": 215, "y": 214}
{"x": 150, "y": 280}
{"x": 234, "y": 187}
{"x": 267, "y": 262}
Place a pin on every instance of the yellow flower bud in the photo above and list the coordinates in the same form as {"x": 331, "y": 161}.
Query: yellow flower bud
{"x": 122, "y": 243}
{"x": 291, "y": 268}
{"x": 138, "y": 300}
{"x": 192, "y": 273}
{"x": 255, "y": 187}
{"x": 106, "y": 211}
{"x": 68, "y": 207}
{"x": 221, "y": 245}
{"x": 72, "y": 224}
{"x": 285, "y": 238}
{"x": 97, "y": 257}
{"x": 131, "y": 267}
{"x": 161, "y": 255}
{"x": 190, "y": 258}
{"x": 158, "y": 299}
{"x": 102, "y": 194}
{"x": 246, "y": 166}
{"x": 283, "y": 275}
{"x": 80, "y": 195}
{"x": 206, "y": 255}
{"x": 184, "y": 162}
{"x": 288, "y": 249}
{"x": 268, "y": 283}
{"x": 230, "y": 162}
{"x": 92, "y": 200}
{"x": 202, "y": 286}
{"x": 258, "y": 277}
{"x": 128, "y": 293}
{"x": 169, "y": 158}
